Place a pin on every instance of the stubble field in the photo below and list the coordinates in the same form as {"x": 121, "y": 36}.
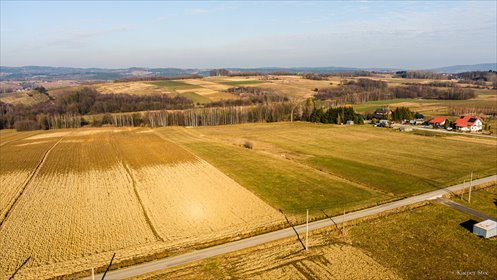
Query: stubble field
{"x": 93, "y": 192}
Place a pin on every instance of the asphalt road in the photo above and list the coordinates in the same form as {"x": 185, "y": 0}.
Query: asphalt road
{"x": 152, "y": 266}
{"x": 453, "y": 132}
{"x": 464, "y": 209}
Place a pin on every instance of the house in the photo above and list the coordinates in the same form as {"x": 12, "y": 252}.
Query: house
{"x": 438, "y": 121}
{"x": 382, "y": 113}
{"x": 469, "y": 123}
{"x": 487, "y": 228}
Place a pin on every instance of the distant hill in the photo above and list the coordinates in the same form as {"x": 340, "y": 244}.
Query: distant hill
{"x": 87, "y": 74}
{"x": 104, "y": 74}
{"x": 466, "y": 68}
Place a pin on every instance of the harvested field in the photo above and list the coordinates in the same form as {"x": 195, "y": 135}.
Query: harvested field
{"x": 23, "y": 97}
{"x": 379, "y": 247}
{"x": 129, "y": 88}
{"x": 285, "y": 259}
{"x": 173, "y": 85}
{"x": 105, "y": 190}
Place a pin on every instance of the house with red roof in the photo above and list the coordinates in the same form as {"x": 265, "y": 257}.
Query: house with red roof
{"x": 438, "y": 121}
{"x": 469, "y": 123}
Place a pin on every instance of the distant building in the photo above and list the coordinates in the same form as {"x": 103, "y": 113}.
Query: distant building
{"x": 487, "y": 228}
{"x": 438, "y": 121}
{"x": 382, "y": 113}
{"x": 350, "y": 122}
{"x": 469, "y": 123}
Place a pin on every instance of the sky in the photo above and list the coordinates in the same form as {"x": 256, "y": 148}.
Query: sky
{"x": 210, "y": 34}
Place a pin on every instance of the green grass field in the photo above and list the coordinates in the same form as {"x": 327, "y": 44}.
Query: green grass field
{"x": 298, "y": 165}
{"x": 173, "y": 85}
{"x": 242, "y": 83}
{"x": 284, "y": 184}
{"x": 196, "y": 98}
{"x": 427, "y": 243}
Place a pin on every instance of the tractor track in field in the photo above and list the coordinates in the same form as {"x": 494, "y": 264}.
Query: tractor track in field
{"x": 28, "y": 181}
{"x": 135, "y": 190}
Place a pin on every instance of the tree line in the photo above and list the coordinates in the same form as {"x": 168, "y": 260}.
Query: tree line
{"x": 335, "y": 115}
{"x": 84, "y": 101}
{"x": 365, "y": 90}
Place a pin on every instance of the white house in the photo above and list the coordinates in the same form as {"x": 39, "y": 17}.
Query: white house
{"x": 469, "y": 123}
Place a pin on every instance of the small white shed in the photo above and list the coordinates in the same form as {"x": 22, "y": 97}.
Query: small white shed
{"x": 487, "y": 228}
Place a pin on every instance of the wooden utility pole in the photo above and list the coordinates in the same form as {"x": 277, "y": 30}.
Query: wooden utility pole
{"x": 464, "y": 187}
{"x": 19, "y": 268}
{"x": 307, "y": 231}
{"x": 108, "y": 267}
{"x": 470, "y": 187}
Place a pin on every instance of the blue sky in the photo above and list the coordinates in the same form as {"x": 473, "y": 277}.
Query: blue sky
{"x": 212, "y": 34}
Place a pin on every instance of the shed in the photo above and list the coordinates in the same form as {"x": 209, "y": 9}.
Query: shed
{"x": 487, "y": 228}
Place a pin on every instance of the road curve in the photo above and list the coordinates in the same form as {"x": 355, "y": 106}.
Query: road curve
{"x": 152, "y": 266}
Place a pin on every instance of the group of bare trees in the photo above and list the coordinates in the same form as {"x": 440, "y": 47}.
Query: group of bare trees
{"x": 199, "y": 116}
{"x": 365, "y": 90}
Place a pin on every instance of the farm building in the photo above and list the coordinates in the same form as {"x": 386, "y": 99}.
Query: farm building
{"x": 469, "y": 123}
{"x": 438, "y": 121}
{"x": 382, "y": 113}
{"x": 487, "y": 228}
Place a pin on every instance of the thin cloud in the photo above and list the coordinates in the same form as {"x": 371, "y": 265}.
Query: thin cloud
{"x": 195, "y": 11}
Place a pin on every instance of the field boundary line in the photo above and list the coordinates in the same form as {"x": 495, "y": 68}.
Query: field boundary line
{"x": 135, "y": 190}
{"x": 28, "y": 181}
{"x": 145, "y": 214}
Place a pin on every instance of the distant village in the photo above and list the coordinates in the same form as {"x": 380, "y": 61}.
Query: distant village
{"x": 382, "y": 117}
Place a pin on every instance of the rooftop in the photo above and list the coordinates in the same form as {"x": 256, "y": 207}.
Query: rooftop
{"x": 487, "y": 224}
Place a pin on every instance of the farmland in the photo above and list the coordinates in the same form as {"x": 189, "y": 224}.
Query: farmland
{"x": 364, "y": 163}
{"x": 380, "y": 247}
{"x": 149, "y": 193}
{"x": 143, "y": 193}
{"x": 113, "y": 195}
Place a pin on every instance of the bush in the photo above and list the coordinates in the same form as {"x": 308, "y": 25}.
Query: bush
{"x": 248, "y": 145}
{"x": 26, "y": 125}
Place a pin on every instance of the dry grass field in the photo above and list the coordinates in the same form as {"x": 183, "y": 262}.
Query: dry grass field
{"x": 403, "y": 156}
{"x": 328, "y": 258}
{"x": 23, "y": 97}
{"x": 427, "y": 242}
{"x": 93, "y": 192}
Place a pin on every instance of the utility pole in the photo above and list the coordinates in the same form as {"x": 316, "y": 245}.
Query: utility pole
{"x": 463, "y": 189}
{"x": 470, "y": 187}
{"x": 307, "y": 231}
